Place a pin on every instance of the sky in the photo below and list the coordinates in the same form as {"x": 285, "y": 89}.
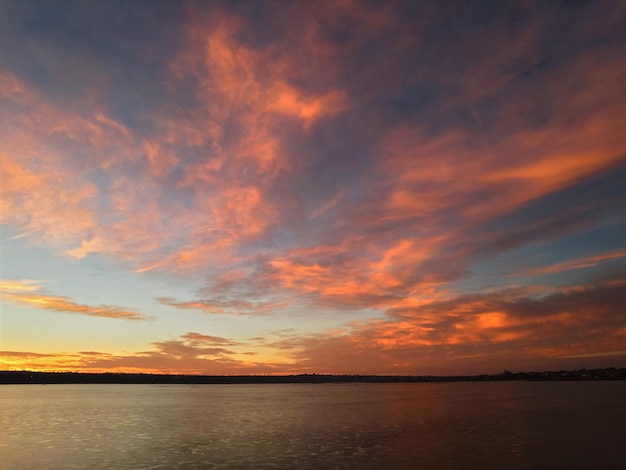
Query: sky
{"x": 345, "y": 187}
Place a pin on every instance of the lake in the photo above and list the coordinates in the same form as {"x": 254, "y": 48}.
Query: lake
{"x": 465, "y": 425}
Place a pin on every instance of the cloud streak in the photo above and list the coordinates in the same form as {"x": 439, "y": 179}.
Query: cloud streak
{"x": 580, "y": 263}
{"x": 29, "y": 294}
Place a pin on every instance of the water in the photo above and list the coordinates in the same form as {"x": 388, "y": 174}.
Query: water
{"x": 499, "y": 425}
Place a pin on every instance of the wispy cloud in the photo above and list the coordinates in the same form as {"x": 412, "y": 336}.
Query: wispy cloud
{"x": 30, "y": 294}
{"x": 578, "y": 263}
{"x": 596, "y": 354}
{"x": 231, "y": 307}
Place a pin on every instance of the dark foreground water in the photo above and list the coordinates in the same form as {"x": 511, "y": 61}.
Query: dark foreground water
{"x": 500, "y": 425}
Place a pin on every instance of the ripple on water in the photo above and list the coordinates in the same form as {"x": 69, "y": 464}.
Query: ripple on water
{"x": 392, "y": 426}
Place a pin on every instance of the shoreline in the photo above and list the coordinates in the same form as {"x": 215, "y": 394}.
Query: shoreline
{"x": 31, "y": 377}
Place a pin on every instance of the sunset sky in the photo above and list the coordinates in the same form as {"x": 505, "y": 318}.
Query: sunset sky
{"x": 248, "y": 187}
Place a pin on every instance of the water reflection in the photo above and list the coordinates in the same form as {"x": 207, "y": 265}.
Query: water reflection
{"x": 396, "y": 426}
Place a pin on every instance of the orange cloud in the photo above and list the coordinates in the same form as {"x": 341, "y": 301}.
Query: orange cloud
{"x": 200, "y": 338}
{"x": 192, "y": 353}
{"x": 229, "y": 307}
{"x": 28, "y": 294}
{"x": 474, "y": 332}
{"x": 54, "y": 201}
{"x": 308, "y": 110}
{"x": 578, "y": 263}
{"x": 89, "y": 246}
{"x": 386, "y": 274}
{"x": 21, "y": 286}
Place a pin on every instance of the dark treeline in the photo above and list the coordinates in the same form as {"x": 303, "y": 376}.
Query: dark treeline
{"x": 28, "y": 377}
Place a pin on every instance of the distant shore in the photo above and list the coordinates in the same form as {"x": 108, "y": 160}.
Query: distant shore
{"x": 30, "y": 377}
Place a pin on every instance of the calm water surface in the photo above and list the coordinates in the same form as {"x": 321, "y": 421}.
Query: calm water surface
{"x": 500, "y": 425}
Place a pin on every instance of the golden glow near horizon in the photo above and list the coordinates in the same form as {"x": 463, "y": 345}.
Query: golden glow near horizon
{"x": 340, "y": 187}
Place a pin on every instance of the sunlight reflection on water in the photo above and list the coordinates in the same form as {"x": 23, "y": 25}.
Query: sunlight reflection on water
{"x": 513, "y": 425}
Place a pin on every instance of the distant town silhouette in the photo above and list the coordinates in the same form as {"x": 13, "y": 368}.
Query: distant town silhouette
{"x": 31, "y": 377}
